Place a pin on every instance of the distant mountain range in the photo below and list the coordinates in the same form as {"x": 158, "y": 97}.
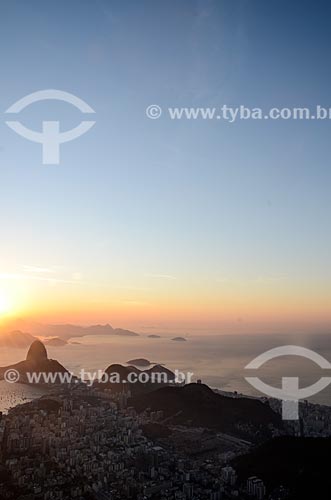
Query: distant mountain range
{"x": 65, "y": 331}
{"x": 16, "y": 339}
{"x": 21, "y": 340}
{"x": 55, "y": 342}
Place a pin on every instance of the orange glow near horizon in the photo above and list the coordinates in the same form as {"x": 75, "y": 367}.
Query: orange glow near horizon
{"x": 229, "y": 307}
{"x": 8, "y": 304}
{"x": 13, "y": 300}
{"x": 228, "y": 314}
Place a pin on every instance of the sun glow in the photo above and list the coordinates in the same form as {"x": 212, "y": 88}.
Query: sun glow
{"x": 5, "y": 303}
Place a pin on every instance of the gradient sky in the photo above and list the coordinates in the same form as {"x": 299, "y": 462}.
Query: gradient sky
{"x": 155, "y": 224}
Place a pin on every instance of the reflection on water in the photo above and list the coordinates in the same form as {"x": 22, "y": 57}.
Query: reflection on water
{"x": 15, "y": 394}
{"x": 218, "y": 360}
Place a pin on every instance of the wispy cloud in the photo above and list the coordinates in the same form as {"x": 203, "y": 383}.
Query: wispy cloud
{"x": 258, "y": 279}
{"x": 162, "y": 276}
{"x": 38, "y": 270}
{"x": 222, "y": 280}
{"x": 134, "y": 302}
{"x": 270, "y": 279}
{"x": 133, "y": 287}
{"x": 31, "y": 277}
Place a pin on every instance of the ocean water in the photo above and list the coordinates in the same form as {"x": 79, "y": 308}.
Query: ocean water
{"x": 15, "y": 394}
{"x": 218, "y": 360}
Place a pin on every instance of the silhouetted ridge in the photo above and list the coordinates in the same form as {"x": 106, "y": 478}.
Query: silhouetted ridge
{"x": 122, "y": 371}
{"x": 198, "y": 405}
{"x": 198, "y": 389}
{"x": 119, "y": 378}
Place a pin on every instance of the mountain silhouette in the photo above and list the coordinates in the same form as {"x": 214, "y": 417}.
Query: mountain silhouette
{"x": 140, "y": 362}
{"x": 119, "y": 378}
{"x": 36, "y": 361}
{"x": 198, "y": 405}
{"x": 37, "y": 352}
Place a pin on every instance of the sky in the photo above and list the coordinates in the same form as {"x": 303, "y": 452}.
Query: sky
{"x": 198, "y": 225}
